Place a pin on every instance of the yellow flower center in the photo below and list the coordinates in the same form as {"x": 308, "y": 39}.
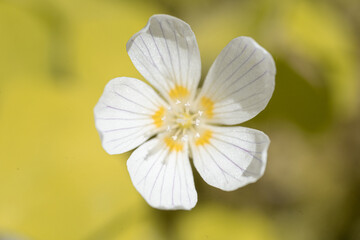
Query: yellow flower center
{"x": 183, "y": 121}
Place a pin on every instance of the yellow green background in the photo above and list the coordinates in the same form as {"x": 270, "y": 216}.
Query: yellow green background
{"x": 56, "y": 181}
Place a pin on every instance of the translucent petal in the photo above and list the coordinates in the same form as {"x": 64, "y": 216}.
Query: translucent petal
{"x": 231, "y": 157}
{"x": 166, "y": 53}
{"x": 240, "y": 83}
{"x": 128, "y": 113}
{"x": 163, "y": 176}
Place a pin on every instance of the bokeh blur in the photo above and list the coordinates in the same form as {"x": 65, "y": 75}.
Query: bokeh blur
{"x": 56, "y": 181}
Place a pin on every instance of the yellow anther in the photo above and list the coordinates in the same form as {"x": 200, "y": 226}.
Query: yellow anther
{"x": 186, "y": 120}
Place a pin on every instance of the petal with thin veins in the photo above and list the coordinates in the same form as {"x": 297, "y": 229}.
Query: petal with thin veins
{"x": 231, "y": 157}
{"x": 163, "y": 176}
{"x": 166, "y": 53}
{"x": 128, "y": 113}
{"x": 240, "y": 83}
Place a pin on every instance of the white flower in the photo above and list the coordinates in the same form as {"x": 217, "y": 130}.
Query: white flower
{"x": 178, "y": 120}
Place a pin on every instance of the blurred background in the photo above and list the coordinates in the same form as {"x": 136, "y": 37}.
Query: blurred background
{"x": 56, "y": 181}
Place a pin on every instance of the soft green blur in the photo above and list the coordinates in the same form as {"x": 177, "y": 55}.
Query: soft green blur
{"x": 56, "y": 181}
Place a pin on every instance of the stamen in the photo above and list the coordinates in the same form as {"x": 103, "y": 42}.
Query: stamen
{"x": 184, "y": 123}
{"x": 185, "y": 138}
{"x": 175, "y": 136}
{"x": 197, "y": 122}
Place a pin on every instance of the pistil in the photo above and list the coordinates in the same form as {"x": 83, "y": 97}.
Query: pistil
{"x": 181, "y": 122}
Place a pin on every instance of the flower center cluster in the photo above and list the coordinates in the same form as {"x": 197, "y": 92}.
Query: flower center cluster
{"x": 184, "y": 119}
{"x": 182, "y": 122}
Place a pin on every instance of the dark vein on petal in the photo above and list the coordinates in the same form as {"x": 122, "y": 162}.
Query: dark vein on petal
{"x": 142, "y": 162}
{"x": 219, "y": 106}
{"x": 223, "y": 55}
{"x": 152, "y": 74}
{"x": 126, "y": 128}
{"x": 225, "y": 172}
{"x": 254, "y": 104}
{"x": 173, "y": 185}
{"x": 243, "y": 109}
{"x": 185, "y": 177}
{"x": 162, "y": 183}
{"x": 241, "y": 65}
{"x": 148, "y": 50}
{"x": 178, "y": 51}
{"x": 249, "y": 70}
{"x": 146, "y": 67}
{"x": 223, "y": 84}
{"x": 229, "y": 159}
{"x": 188, "y": 60}
{"x": 142, "y": 52}
{"x": 243, "y": 149}
{"x": 156, "y": 179}
{"x": 235, "y": 58}
{"x": 142, "y": 94}
{"x": 124, "y": 119}
{"x": 153, "y": 63}
{"x": 249, "y": 83}
{"x": 127, "y": 138}
{"x": 123, "y": 110}
{"x": 131, "y": 101}
{"x": 211, "y": 157}
{"x": 167, "y": 46}
{"x": 161, "y": 56}
{"x": 129, "y": 141}
{"x": 146, "y": 175}
{"x": 244, "y": 140}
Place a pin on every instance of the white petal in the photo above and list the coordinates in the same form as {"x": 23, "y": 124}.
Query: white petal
{"x": 231, "y": 157}
{"x": 240, "y": 83}
{"x": 166, "y": 53}
{"x": 125, "y": 115}
{"x": 163, "y": 176}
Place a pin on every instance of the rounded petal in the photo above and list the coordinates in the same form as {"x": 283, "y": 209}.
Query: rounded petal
{"x": 166, "y": 53}
{"x": 128, "y": 113}
{"x": 230, "y": 157}
{"x": 162, "y": 175}
{"x": 239, "y": 84}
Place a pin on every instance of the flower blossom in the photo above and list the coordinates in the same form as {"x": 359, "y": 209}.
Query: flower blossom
{"x": 175, "y": 119}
